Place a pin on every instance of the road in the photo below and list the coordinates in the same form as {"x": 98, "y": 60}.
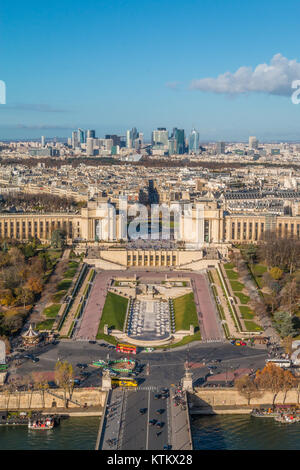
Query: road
{"x": 137, "y": 433}
{"x": 166, "y": 367}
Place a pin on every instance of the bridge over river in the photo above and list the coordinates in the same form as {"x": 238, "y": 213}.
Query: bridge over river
{"x": 124, "y": 427}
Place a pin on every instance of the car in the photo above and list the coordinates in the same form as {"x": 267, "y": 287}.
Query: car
{"x": 243, "y": 343}
{"x": 157, "y": 396}
{"x": 92, "y": 342}
{"x": 85, "y": 374}
{"x": 167, "y": 447}
{"x": 153, "y": 421}
{"x": 28, "y": 356}
{"x": 35, "y": 359}
{"x": 159, "y": 425}
{"x": 160, "y": 411}
{"x": 143, "y": 411}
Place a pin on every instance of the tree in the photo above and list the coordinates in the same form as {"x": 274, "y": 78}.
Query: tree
{"x": 272, "y": 378}
{"x": 276, "y": 273}
{"x": 34, "y": 285}
{"x": 287, "y": 343}
{"x": 285, "y": 324}
{"x": 247, "y": 388}
{"x": 58, "y": 238}
{"x": 64, "y": 377}
{"x": 290, "y": 295}
{"x": 288, "y": 382}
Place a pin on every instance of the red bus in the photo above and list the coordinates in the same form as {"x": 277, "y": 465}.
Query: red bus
{"x": 126, "y": 348}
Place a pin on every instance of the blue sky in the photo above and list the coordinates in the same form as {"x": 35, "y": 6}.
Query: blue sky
{"x": 114, "y": 64}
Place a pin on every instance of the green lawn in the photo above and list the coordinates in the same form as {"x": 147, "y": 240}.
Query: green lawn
{"x": 246, "y": 312}
{"x": 244, "y": 299}
{"x": 236, "y": 286}
{"x": 70, "y": 273}
{"x": 58, "y": 295}
{"x": 45, "y": 325}
{"x": 54, "y": 254}
{"x": 113, "y": 314}
{"x": 64, "y": 285}
{"x": 231, "y": 274}
{"x": 228, "y": 265}
{"x": 185, "y": 312}
{"x": 258, "y": 269}
{"x": 251, "y": 326}
{"x": 73, "y": 264}
{"x": 51, "y": 311}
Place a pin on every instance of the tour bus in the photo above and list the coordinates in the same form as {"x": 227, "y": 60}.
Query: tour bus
{"x": 284, "y": 363}
{"x": 123, "y": 382}
{"x": 126, "y": 348}
{"x": 3, "y": 367}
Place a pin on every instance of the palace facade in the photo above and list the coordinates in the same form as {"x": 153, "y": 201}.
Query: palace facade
{"x": 95, "y": 224}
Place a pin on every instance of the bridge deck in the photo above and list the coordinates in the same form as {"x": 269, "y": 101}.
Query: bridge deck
{"x": 125, "y": 428}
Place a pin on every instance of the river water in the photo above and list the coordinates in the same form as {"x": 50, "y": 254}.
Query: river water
{"x": 238, "y": 432}
{"x": 243, "y": 432}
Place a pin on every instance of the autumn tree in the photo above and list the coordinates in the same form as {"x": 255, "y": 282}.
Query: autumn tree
{"x": 276, "y": 273}
{"x": 247, "y": 388}
{"x": 272, "y": 378}
{"x": 288, "y": 382}
{"x": 64, "y": 377}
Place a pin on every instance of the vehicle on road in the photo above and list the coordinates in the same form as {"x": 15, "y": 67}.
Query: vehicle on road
{"x": 160, "y": 411}
{"x": 157, "y": 396}
{"x": 160, "y": 424}
{"x": 123, "y": 382}
{"x": 81, "y": 366}
{"x": 92, "y": 342}
{"x": 153, "y": 422}
{"x": 284, "y": 363}
{"x": 143, "y": 411}
{"x": 126, "y": 348}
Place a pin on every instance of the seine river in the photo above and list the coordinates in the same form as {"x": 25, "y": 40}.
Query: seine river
{"x": 237, "y": 432}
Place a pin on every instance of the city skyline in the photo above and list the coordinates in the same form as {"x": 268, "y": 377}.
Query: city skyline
{"x": 227, "y": 77}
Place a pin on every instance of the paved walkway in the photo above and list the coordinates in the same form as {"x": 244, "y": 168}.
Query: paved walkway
{"x": 89, "y": 325}
{"x": 73, "y": 310}
{"x": 206, "y": 309}
{"x": 112, "y": 420}
{"x": 180, "y": 424}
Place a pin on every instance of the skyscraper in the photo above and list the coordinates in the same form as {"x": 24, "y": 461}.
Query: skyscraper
{"x": 81, "y": 136}
{"x": 43, "y": 141}
{"x": 131, "y": 135}
{"x": 194, "y": 141}
{"x": 220, "y": 147}
{"x": 178, "y": 134}
{"x": 160, "y": 136}
{"x": 74, "y": 139}
{"x": 90, "y": 133}
{"x": 89, "y": 147}
{"x": 253, "y": 143}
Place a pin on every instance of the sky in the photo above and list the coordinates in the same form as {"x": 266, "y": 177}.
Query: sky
{"x": 224, "y": 67}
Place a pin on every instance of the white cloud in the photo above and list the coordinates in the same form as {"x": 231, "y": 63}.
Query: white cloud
{"x": 273, "y": 79}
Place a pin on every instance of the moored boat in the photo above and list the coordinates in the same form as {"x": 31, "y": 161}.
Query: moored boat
{"x": 44, "y": 424}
